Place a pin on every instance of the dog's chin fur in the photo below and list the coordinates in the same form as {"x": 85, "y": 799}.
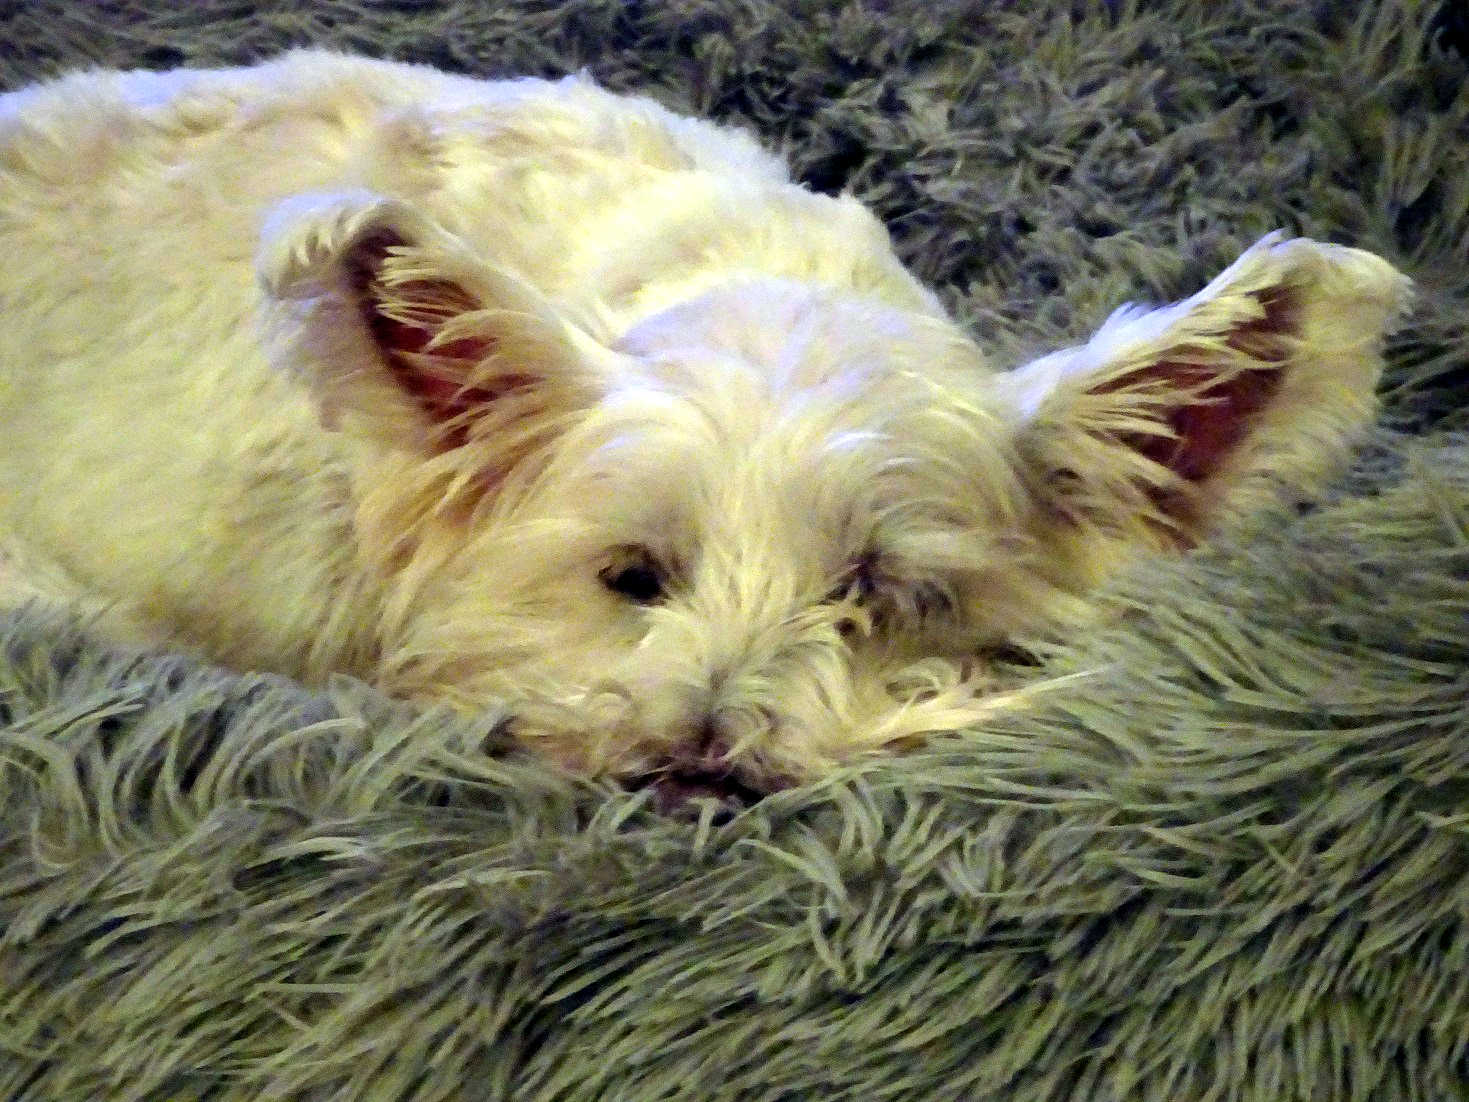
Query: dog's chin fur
{"x": 550, "y": 396}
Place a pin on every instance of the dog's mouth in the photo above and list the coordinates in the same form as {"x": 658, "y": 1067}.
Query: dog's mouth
{"x": 675, "y": 790}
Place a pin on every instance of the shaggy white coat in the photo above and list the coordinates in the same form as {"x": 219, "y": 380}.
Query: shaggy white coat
{"x": 523, "y": 390}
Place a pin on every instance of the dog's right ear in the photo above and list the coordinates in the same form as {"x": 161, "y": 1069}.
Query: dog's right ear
{"x": 404, "y": 336}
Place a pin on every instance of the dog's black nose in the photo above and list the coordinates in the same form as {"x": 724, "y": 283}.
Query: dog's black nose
{"x": 677, "y": 793}
{"x": 701, "y": 768}
{"x": 708, "y": 748}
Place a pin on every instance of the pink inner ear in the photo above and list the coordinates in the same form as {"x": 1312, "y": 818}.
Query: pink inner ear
{"x": 444, "y": 397}
{"x": 447, "y": 400}
{"x": 439, "y": 395}
{"x": 1211, "y": 426}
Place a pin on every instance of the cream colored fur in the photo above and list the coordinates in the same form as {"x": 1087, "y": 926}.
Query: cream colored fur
{"x": 674, "y": 455}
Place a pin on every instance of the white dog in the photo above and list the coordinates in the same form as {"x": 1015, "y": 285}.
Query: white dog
{"x": 521, "y": 390}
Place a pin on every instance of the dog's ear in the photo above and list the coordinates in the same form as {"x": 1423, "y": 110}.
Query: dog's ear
{"x": 1169, "y": 422}
{"x": 405, "y": 336}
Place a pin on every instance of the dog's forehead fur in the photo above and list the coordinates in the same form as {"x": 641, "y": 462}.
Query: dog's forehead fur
{"x": 844, "y": 427}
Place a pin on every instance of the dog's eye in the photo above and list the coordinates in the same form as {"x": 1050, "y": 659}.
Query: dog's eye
{"x": 885, "y": 602}
{"x": 932, "y": 600}
{"x": 636, "y": 583}
{"x": 635, "y": 576}
{"x": 855, "y": 588}
{"x": 856, "y": 584}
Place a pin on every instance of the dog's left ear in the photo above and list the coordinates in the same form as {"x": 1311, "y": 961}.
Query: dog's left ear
{"x": 1170, "y": 422}
{"x": 404, "y": 336}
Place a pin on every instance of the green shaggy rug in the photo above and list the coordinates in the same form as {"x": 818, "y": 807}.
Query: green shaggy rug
{"x": 1227, "y": 861}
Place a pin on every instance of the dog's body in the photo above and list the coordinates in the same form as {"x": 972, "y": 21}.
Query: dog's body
{"x": 523, "y": 390}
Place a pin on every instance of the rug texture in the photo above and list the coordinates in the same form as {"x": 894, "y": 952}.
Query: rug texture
{"x": 1227, "y": 860}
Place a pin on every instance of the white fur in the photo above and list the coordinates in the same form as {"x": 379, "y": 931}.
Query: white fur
{"x": 667, "y": 354}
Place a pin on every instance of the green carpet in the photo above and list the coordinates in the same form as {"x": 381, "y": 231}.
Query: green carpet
{"x": 1228, "y": 861}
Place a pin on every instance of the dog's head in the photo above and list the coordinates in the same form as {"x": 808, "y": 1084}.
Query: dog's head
{"x": 778, "y": 525}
